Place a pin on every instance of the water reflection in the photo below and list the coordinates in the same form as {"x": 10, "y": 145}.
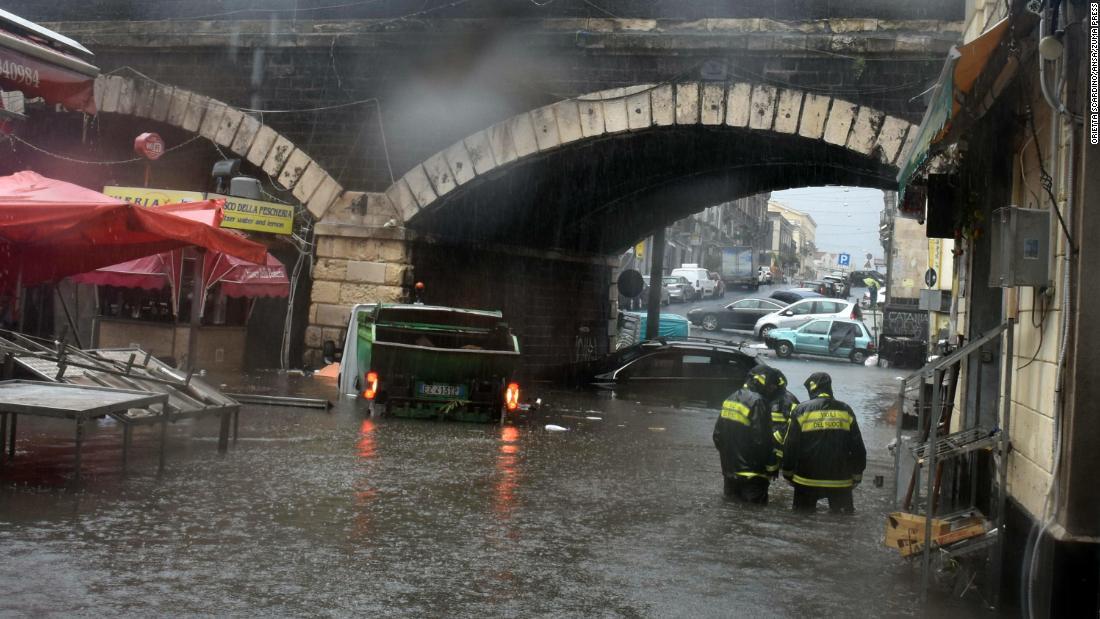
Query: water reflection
{"x": 365, "y": 492}
{"x": 504, "y": 495}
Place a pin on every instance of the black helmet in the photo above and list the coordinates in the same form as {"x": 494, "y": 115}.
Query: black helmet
{"x": 818, "y": 384}
{"x": 763, "y": 380}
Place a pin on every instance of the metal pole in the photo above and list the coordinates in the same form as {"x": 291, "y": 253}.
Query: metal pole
{"x": 237, "y": 424}
{"x": 79, "y": 446}
{"x": 897, "y": 441}
{"x": 656, "y": 274}
{"x": 126, "y": 431}
{"x": 11, "y": 436}
{"x": 196, "y": 309}
{"x": 3, "y": 435}
{"x": 223, "y": 433}
{"x": 1002, "y": 473}
{"x": 930, "y": 468}
{"x": 68, "y": 315}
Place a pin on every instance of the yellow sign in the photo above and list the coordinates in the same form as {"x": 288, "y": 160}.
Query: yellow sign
{"x": 152, "y": 197}
{"x": 239, "y": 213}
{"x": 639, "y": 250}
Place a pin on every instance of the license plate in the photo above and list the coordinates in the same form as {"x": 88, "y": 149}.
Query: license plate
{"x": 436, "y": 390}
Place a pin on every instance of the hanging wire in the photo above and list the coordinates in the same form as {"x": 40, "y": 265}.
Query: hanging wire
{"x": 16, "y": 138}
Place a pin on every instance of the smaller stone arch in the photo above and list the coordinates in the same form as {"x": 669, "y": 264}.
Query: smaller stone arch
{"x": 228, "y": 127}
{"x": 736, "y": 105}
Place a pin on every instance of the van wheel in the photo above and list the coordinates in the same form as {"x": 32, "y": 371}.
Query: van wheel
{"x": 858, "y": 356}
{"x": 784, "y": 349}
{"x": 710, "y": 322}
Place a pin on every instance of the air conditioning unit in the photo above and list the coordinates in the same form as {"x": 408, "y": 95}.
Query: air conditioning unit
{"x": 935, "y": 301}
{"x": 1020, "y": 247}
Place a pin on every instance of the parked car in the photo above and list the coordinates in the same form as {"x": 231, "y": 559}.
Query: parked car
{"x": 632, "y": 327}
{"x": 719, "y": 285}
{"x": 676, "y": 371}
{"x": 698, "y": 278}
{"x": 764, "y": 276}
{"x": 741, "y": 314}
{"x": 840, "y": 288}
{"x": 801, "y": 312}
{"x": 680, "y": 289}
{"x": 645, "y": 292}
{"x": 836, "y": 337}
{"x": 856, "y": 277}
{"x": 866, "y": 300}
{"x": 792, "y": 295}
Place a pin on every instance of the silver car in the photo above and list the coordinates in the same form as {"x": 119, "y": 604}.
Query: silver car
{"x": 801, "y": 312}
{"x": 679, "y": 289}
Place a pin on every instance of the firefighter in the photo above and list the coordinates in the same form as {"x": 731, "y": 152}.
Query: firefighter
{"x": 823, "y": 455}
{"x": 743, "y": 437}
{"x": 780, "y": 406}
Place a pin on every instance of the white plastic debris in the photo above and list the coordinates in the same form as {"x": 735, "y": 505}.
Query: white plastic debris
{"x": 590, "y": 418}
{"x": 555, "y": 428}
{"x": 871, "y": 361}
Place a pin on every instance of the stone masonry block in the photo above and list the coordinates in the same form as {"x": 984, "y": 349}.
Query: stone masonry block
{"x": 366, "y": 272}
{"x": 366, "y": 293}
{"x": 334, "y": 334}
{"x": 313, "y": 335}
{"x": 523, "y": 135}
{"x": 739, "y": 104}
{"x": 261, "y": 145}
{"x": 395, "y": 274}
{"x": 325, "y": 292}
{"x": 196, "y": 110}
{"x": 687, "y": 103}
{"x": 212, "y": 121}
{"x": 500, "y": 142}
{"x": 227, "y": 128}
{"x": 439, "y": 174}
{"x": 246, "y": 133}
{"x": 111, "y": 90}
{"x": 402, "y": 199}
{"x": 126, "y": 97}
{"x": 615, "y": 116}
{"x": 145, "y": 92}
{"x": 277, "y": 156}
{"x": 420, "y": 186}
{"x": 330, "y": 269}
{"x": 762, "y": 109}
{"x": 296, "y": 165}
{"x": 662, "y": 105}
{"x": 162, "y": 100}
{"x": 865, "y": 130}
{"x": 890, "y": 138}
{"x": 569, "y": 120}
{"x": 786, "y": 114}
{"x": 712, "y": 110}
{"x": 327, "y": 193}
{"x": 815, "y": 111}
{"x": 546, "y": 128}
{"x": 481, "y": 155}
{"x": 638, "y": 110}
{"x": 333, "y": 315}
{"x": 458, "y": 160}
{"x": 841, "y": 115}
{"x": 177, "y": 108}
{"x": 591, "y": 112}
{"x": 98, "y": 86}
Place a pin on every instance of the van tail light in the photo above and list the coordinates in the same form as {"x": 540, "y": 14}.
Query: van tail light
{"x": 371, "y": 381}
{"x": 511, "y": 396}
{"x": 871, "y": 346}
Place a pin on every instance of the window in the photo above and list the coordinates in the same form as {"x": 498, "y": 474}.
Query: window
{"x": 827, "y": 307}
{"x": 817, "y": 327}
{"x": 745, "y": 304}
{"x": 660, "y": 364}
{"x": 803, "y": 309}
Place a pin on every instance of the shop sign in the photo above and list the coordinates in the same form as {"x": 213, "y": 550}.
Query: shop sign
{"x": 149, "y": 145}
{"x": 152, "y": 197}
{"x": 237, "y": 213}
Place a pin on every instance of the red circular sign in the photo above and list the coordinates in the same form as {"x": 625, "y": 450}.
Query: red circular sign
{"x": 149, "y": 145}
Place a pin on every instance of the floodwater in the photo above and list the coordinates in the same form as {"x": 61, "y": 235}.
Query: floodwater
{"x": 332, "y": 513}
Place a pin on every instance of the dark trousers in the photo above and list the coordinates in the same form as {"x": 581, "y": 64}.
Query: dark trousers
{"x": 806, "y": 498}
{"x": 748, "y": 489}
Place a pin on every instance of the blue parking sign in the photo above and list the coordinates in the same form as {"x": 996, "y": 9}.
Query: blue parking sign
{"x": 844, "y": 260}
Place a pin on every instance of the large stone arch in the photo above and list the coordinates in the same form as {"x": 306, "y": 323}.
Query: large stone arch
{"x": 230, "y": 128}
{"x": 788, "y": 113}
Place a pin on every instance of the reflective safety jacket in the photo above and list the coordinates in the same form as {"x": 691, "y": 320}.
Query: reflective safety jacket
{"x": 743, "y": 436}
{"x": 824, "y": 448}
{"x": 781, "y": 406}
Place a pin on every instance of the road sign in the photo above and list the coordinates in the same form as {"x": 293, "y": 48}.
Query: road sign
{"x": 844, "y": 260}
{"x": 149, "y": 145}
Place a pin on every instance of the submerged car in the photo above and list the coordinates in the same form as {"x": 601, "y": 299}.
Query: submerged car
{"x": 412, "y": 360}
{"x": 741, "y": 314}
{"x": 675, "y": 371}
{"x": 801, "y": 312}
{"x": 836, "y": 337}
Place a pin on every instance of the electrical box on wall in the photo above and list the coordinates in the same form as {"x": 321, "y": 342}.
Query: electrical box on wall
{"x": 935, "y": 301}
{"x": 1019, "y": 247}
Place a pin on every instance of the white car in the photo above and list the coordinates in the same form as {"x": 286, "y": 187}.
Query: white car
{"x": 800, "y": 312}
{"x": 698, "y": 278}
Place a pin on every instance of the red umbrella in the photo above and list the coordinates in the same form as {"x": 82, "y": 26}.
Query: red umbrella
{"x": 51, "y": 229}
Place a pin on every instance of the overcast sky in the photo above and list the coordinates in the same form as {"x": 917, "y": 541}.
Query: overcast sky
{"x": 847, "y": 217}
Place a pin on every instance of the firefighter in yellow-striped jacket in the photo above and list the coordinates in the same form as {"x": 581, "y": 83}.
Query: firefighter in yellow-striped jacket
{"x": 823, "y": 456}
{"x": 780, "y": 406}
{"x": 743, "y": 437}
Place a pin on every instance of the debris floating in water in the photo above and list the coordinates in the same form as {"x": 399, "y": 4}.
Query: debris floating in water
{"x": 555, "y": 428}
{"x": 591, "y": 418}
{"x": 658, "y": 429}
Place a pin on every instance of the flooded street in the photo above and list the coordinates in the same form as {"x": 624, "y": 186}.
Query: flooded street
{"x": 332, "y": 513}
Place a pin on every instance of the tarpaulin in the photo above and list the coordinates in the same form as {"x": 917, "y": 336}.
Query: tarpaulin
{"x": 39, "y": 71}
{"x": 51, "y": 229}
